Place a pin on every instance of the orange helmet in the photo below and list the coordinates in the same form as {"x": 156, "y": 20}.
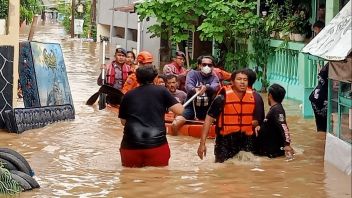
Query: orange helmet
{"x": 144, "y": 57}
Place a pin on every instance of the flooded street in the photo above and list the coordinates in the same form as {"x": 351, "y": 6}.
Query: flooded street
{"x": 81, "y": 158}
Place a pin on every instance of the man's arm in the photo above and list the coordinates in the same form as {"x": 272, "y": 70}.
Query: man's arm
{"x": 214, "y": 111}
{"x": 280, "y": 122}
{"x": 259, "y": 113}
{"x": 214, "y": 85}
{"x": 202, "y": 149}
{"x": 191, "y": 81}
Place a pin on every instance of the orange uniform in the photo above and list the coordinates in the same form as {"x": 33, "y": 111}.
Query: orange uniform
{"x": 132, "y": 83}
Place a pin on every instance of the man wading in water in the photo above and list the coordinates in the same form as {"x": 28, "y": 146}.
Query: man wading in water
{"x": 142, "y": 112}
{"x": 233, "y": 108}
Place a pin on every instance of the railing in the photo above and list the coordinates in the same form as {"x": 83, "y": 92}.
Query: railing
{"x": 296, "y": 71}
{"x": 283, "y": 66}
{"x": 312, "y": 67}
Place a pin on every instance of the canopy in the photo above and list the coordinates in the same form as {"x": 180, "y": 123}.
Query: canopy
{"x": 334, "y": 41}
{"x": 341, "y": 70}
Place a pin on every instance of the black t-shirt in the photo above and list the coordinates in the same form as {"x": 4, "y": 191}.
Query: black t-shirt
{"x": 274, "y": 132}
{"x": 143, "y": 109}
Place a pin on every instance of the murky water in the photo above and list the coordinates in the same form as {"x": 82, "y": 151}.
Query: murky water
{"x": 81, "y": 158}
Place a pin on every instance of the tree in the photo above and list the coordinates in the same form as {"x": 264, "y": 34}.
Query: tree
{"x": 228, "y": 22}
{"x": 29, "y": 8}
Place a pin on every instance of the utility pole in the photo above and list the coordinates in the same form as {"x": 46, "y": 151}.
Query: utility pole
{"x": 73, "y": 19}
{"x": 92, "y": 17}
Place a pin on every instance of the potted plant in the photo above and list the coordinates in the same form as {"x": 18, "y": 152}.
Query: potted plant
{"x": 4, "y": 6}
{"x": 298, "y": 25}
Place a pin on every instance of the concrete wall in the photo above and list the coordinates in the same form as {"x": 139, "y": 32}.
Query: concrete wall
{"x": 113, "y": 23}
{"x": 12, "y": 39}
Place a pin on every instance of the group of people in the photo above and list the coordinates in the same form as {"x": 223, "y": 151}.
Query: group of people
{"x": 236, "y": 109}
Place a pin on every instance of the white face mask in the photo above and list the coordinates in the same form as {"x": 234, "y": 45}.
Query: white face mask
{"x": 206, "y": 70}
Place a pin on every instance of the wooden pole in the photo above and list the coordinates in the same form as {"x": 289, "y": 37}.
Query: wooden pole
{"x": 187, "y": 58}
{"x": 73, "y": 19}
{"x": 33, "y": 25}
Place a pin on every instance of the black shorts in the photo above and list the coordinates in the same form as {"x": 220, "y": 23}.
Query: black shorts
{"x": 228, "y": 146}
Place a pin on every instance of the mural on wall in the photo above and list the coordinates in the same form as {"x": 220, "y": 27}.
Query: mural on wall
{"x": 6, "y": 81}
{"x": 44, "y": 64}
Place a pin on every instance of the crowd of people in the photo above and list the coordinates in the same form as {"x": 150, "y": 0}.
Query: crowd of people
{"x": 234, "y": 107}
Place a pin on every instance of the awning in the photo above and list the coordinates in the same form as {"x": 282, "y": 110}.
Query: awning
{"x": 341, "y": 70}
{"x": 334, "y": 42}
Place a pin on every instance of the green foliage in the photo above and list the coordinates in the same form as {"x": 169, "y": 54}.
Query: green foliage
{"x": 8, "y": 186}
{"x": 176, "y": 15}
{"x": 29, "y": 8}
{"x": 297, "y": 23}
{"x": 262, "y": 50}
{"x": 65, "y": 10}
{"x": 4, "y": 8}
{"x": 88, "y": 27}
{"x": 274, "y": 22}
{"x": 223, "y": 21}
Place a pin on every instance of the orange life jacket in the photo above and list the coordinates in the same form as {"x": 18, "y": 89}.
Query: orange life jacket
{"x": 132, "y": 83}
{"x": 237, "y": 115}
{"x": 110, "y": 75}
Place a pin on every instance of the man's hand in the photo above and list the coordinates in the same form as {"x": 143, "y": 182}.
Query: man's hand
{"x": 202, "y": 150}
{"x": 289, "y": 152}
{"x": 201, "y": 89}
{"x": 256, "y": 130}
{"x": 102, "y": 66}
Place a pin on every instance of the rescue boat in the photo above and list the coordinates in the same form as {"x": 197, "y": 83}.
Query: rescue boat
{"x": 191, "y": 128}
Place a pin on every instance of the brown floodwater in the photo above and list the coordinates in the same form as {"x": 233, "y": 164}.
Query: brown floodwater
{"x": 80, "y": 158}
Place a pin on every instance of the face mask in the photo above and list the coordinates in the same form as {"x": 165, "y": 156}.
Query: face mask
{"x": 206, "y": 70}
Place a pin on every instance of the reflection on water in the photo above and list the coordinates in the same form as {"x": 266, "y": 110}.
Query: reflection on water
{"x": 81, "y": 157}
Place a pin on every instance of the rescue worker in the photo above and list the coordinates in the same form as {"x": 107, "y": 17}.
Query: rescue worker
{"x": 143, "y": 58}
{"x": 233, "y": 109}
{"x": 117, "y": 71}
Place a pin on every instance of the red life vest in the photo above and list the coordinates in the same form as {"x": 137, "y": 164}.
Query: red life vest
{"x": 237, "y": 115}
{"x": 110, "y": 75}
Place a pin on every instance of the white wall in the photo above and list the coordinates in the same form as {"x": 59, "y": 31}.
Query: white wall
{"x": 12, "y": 39}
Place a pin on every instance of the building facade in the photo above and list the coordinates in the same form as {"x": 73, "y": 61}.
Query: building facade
{"x": 124, "y": 28}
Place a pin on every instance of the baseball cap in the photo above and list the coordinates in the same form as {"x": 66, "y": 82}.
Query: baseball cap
{"x": 121, "y": 50}
{"x": 145, "y": 57}
{"x": 179, "y": 53}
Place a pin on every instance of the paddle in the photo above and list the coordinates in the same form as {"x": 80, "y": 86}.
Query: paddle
{"x": 102, "y": 96}
{"x": 93, "y": 98}
{"x": 191, "y": 99}
{"x": 113, "y": 95}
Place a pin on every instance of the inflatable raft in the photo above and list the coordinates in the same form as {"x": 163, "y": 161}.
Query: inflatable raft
{"x": 193, "y": 129}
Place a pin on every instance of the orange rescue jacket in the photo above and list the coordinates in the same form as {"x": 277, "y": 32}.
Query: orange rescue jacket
{"x": 132, "y": 83}
{"x": 237, "y": 115}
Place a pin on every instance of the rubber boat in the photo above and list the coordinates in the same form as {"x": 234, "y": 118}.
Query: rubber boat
{"x": 191, "y": 128}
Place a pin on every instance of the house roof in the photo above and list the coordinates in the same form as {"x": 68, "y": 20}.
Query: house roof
{"x": 128, "y": 7}
{"x": 334, "y": 42}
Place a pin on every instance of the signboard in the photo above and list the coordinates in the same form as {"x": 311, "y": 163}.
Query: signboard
{"x": 78, "y": 26}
